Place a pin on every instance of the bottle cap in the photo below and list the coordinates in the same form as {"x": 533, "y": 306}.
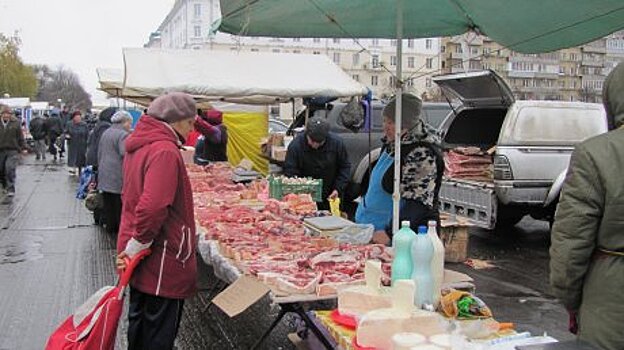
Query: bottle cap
{"x": 405, "y": 223}
{"x": 422, "y": 230}
{"x": 432, "y": 223}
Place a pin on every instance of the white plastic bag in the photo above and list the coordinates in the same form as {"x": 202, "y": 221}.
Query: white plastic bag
{"x": 355, "y": 234}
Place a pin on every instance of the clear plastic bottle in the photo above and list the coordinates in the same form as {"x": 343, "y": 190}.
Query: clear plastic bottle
{"x": 402, "y": 244}
{"x": 437, "y": 263}
{"x": 422, "y": 254}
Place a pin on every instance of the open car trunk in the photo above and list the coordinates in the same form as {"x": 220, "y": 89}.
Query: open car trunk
{"x": 474, "y": 127}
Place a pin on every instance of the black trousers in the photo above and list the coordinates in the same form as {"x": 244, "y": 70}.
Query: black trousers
{"x": 153, "y": 321}
{"x": 112, "y": 211}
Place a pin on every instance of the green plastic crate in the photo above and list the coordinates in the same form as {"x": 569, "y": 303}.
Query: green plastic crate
{"x": 278, "y": 189}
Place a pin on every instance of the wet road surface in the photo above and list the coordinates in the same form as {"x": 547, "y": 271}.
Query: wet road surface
{"x": 52, "y": 258}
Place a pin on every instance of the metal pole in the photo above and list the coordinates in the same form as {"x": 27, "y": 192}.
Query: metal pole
{"x": 396, "y": 195}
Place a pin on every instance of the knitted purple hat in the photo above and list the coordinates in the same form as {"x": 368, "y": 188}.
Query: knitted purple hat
{"x": 172, "y": 107}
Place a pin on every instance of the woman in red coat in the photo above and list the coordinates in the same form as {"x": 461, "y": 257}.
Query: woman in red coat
{"x": 157, "y": 213}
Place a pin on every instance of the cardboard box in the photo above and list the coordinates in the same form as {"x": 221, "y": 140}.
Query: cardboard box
{"x": 279, "y": 153}
{"x": 455, "y": 239}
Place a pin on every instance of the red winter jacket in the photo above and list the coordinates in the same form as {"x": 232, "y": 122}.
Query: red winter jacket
{"x": 158, "y": 207}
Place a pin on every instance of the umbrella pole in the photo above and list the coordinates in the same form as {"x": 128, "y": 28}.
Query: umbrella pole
{"x": 396, "y": 195}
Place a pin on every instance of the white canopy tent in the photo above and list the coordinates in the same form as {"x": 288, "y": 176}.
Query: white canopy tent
{"x": 111, "y": 82}
{"x": 249, "y": 78}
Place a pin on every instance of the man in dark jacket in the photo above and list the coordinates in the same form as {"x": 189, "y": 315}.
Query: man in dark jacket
{"x": 55, "y": 129}
{"x": 39, "y": 132}
{"x": 11, "y": 144}
{"x": 104, "y": 122}
{"x": 319, "y": 154}
{"x": 157, "y": 213}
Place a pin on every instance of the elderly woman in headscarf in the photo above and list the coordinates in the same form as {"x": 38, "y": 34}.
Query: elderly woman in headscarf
{"x": 110, "y": 155}
{"x": 587, "y": 249}
{"x": 422, "y": 167}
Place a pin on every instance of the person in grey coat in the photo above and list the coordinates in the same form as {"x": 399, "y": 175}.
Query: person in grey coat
{"x": 110, "y": 155}
{"x": 76, "y": 134}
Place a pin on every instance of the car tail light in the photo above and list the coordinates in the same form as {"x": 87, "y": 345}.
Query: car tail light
{"x": 502, "y": 168}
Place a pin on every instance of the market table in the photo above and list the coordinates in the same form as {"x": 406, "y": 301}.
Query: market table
{"x": 226, "y": 271}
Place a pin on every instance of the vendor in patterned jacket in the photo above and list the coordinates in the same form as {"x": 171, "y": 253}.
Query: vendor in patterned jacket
{"x": 422, "y": 167}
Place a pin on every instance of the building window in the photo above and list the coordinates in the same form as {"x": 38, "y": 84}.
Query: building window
{"x": 356, "y": 77}
{"x": 443, "y": 64}
{"x": 375, "y": 61}
{"x": 375, "y": 42}
{"x": 474, "y": 50}
{"x": 393, "y": 42}
{"x": 410, "y": 62}
{"x": 410, "y": 43}
{"x": 296, "y": 40}
{"x": 316, "y": 40}
{"x": 336, "y": 57}
{"x": 197, "y": 31}
{"x": 374, "y": 80}
{"x": 428, "y": 44}
{"x": 392, "y": 81}
{"x": 443, "y": 49}
{"x": 197, "y": 10}
{"x": 276, "y": 50}
{"x": 410, "y": 82}
{"x": 336, "y": 40}
{"x": 255, "y": 50}
{"x": 428, "y": 82}
{"x": 429, "y": 63}
{"x": 296, "y": 51}
{"x": 393, "y": 60}
{"x": 356, "y": 59}
{"x": 458, "y": 49}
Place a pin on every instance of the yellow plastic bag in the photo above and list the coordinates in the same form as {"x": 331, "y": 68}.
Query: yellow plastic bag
{"x": 245, "y": 133}
{"x": 334, "y": 206}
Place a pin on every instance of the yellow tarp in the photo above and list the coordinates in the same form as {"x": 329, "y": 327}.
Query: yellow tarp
{"x": 245, "y": 132}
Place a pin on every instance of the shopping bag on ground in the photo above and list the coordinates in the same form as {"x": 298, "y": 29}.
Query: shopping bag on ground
{"x": 94, "y": 324}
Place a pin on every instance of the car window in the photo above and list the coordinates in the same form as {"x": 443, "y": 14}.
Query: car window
{"x": 276, "y": 126}
{"x": 540, "y": 125}
{"x": 435, "y": 115}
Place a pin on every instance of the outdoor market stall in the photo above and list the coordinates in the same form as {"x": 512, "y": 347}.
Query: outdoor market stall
{"x": 244, "y": 232}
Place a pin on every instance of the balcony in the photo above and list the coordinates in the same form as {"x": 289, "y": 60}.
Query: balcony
{"x": 532, "y": 75}
{"x": 600, "y": 49}
{"x": 592, "y": 63}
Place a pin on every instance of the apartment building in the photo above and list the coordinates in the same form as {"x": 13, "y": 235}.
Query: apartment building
{"x": 573, "y": 74}
{"x": 370, "y": 61}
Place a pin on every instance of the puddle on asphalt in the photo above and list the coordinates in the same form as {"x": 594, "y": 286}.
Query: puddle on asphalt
{"x": 28, "y": 249}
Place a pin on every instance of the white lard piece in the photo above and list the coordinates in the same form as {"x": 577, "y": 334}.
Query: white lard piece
{"x": 376, "y": 328}
{"x": 357, "y": 300}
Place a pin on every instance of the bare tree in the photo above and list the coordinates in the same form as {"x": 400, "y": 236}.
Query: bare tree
{"x": 64, "y": 84}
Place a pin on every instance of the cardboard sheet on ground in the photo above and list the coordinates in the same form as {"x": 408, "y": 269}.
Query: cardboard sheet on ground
{"x": 240, "y": 295}
{"x": 245, "y": 132}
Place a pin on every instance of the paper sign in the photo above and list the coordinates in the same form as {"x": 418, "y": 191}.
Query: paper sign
{"x": 240, "y": 295}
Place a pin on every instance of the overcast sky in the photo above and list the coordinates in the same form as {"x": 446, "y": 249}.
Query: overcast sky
{"x": 81, "y": 34}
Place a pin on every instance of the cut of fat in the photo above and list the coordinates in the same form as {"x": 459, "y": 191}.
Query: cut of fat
{"x": 426, "y": 347}
{"x": 358, "y": 300}
{"x": 376, "y": 328}
{"x": 405, "y": 341}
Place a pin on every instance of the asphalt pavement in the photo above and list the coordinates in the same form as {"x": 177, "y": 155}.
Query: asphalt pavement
{"x": 52, "y": 258}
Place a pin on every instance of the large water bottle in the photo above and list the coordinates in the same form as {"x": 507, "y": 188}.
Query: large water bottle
{"x": 402, "y": 243}
{"x": 422, "y": 254}
{"x": 437, "y": 262}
